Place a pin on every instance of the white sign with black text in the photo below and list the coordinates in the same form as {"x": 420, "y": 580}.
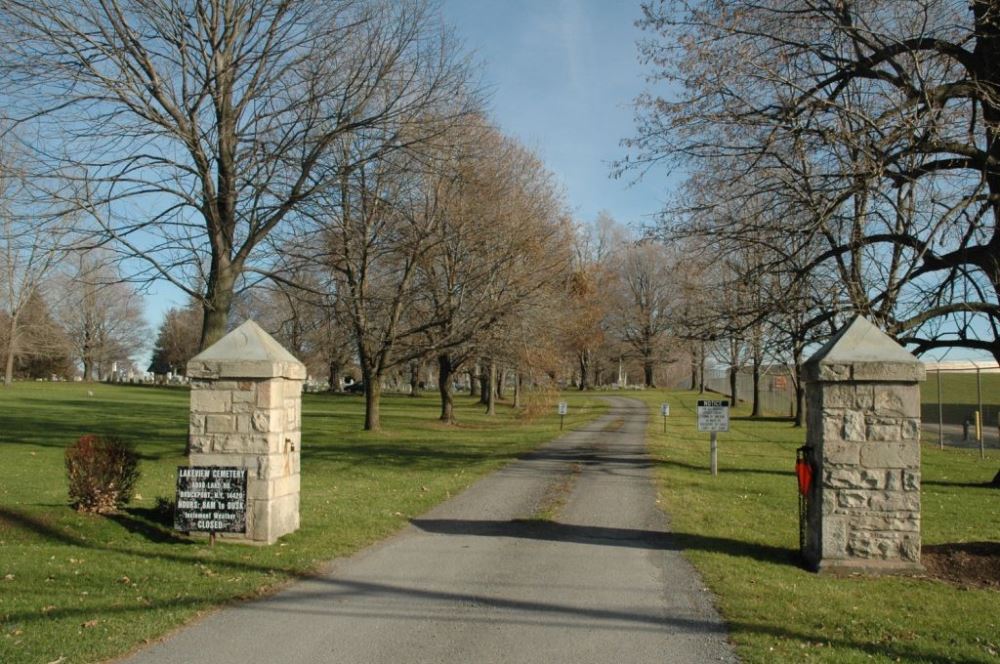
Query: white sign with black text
{"x": 713, "y": 415}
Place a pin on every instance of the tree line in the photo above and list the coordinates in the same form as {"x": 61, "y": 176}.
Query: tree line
{"x": 327, "y": 167}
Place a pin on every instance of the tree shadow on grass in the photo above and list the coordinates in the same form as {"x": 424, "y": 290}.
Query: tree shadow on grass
{"x": 155, "y": 525}
{"x": 46, "y": 426}
{"x": 726, "y": 471}
{"x": 402, "y": 455}
{"x": 764, "y": 418}
{"x": 961, "y": 485}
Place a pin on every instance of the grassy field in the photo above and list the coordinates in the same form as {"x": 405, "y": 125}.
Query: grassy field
{"x": 740, "y": 530}
{"x": 77, "y": 588}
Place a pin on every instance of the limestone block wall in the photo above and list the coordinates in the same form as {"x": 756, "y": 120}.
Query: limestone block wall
{"x": 252, "y": 424}
{"x": 867, "y": 454}
{"x": 863, "y": 428}
{"x": 246, "y": 395}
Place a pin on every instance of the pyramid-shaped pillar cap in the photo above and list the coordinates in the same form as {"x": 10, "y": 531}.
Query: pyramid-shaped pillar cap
{"x": 861, "y": 352}
{"x": 246, "y": 352}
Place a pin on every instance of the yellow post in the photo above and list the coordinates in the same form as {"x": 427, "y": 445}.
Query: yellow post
{"x": 979, "y": 433}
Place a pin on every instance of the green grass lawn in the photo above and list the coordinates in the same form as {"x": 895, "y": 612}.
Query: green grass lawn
{"x": 86, "y": 588}
{"x": 740, "y": 530}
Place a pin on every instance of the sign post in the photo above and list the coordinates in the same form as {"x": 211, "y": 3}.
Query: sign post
{"x": 664, "y": 411}
{"x": 713, "y": 416}
{"x": 563, "y": 409}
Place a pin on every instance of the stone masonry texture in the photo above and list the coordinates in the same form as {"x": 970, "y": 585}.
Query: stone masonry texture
{"x": 246, "y": 395}
{"x": 863, "y": 430}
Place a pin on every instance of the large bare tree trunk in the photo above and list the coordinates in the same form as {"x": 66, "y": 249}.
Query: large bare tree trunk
{"x": 501, "y": 377}
{"x": 648, "y": 368}
{"x": 517, "y": 389}
{"x": 8, "y": 372}
{"x": 732, "y": 384}
{"x": 415, "y": 379}
{"x": 584, "y": 359}
{"x": 755, "y": 412}
{"x": 445, "y": 372}
{"x": 334, "y": 381}
{"x": 218, "y": 303}
{"x": 701, "y": 369}
{"x": 800, "y": 389}
{"x": 472, "y": 380}
{"x": 491, "y": 402}
{"x": 485, "y": 384}
{"x": 373, "y": 399}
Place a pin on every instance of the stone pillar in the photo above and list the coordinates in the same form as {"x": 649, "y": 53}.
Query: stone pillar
{"x": 863, "y": 428}
{"x": 246, "y": 412}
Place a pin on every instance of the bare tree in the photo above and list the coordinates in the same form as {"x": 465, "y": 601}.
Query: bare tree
{"x": 879, "y": 119}
{"x": 502, "y": 241}
{"x": 643, "y": 312}
{"x": 102, "y": 315}
{"x": 32, "y": 242}
{"x": 198, "y": 128}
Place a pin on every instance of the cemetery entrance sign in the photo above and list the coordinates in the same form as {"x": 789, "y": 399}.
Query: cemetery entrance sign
{"x": 211, "y": 499}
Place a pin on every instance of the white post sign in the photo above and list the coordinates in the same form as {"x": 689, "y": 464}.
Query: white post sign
{"x": 713, "y": 416}
{"x": 563, "y": 408}
{"x": 664, "y": 409}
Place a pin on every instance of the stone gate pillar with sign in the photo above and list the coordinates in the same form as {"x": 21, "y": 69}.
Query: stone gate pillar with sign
{"x": 246, "y": 413}
{"x": 863, "y": 440}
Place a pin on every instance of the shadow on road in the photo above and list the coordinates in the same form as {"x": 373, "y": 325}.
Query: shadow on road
{"x": 625, "y": 537}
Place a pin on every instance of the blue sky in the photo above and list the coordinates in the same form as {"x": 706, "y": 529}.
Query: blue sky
{"x": 562, "y": 75}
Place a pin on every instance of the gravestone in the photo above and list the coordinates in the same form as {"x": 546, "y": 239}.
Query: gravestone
{"x": 246, "y": 413}
{"x": 863, "y": 437}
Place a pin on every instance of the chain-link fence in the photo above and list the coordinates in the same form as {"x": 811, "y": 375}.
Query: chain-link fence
{"x": 951, "y": 398}
{"x": 777, "y": 389}
{"x": 961, "y": 404}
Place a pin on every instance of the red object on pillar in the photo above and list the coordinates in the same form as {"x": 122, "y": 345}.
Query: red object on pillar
{"x": 804, "y": 471}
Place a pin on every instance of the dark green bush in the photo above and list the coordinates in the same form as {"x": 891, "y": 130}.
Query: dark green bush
{"x": 102, "y": 473}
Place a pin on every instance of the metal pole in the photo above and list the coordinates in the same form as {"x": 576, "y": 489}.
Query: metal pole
{"x": 561, "y": 421}
{"x": 979, "y": 412}
{"x": 940, "y": 412}
{"x": 979, "y": 435}
{"x": 664, "y": 424}
{"x": 715, "y": 453}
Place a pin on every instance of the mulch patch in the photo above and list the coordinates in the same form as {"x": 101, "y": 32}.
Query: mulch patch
{"x": 969, "y": 564}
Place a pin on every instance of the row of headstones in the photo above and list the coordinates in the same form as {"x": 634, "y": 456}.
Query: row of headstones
{"x": 862, "y": 508}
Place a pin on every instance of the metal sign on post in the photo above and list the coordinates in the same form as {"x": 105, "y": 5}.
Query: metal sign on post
{"x": 563, "y": 409}
{"x": 713, "y": 416}
{"x": 211, "y": 499}
{"x": 664, "y": 411}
